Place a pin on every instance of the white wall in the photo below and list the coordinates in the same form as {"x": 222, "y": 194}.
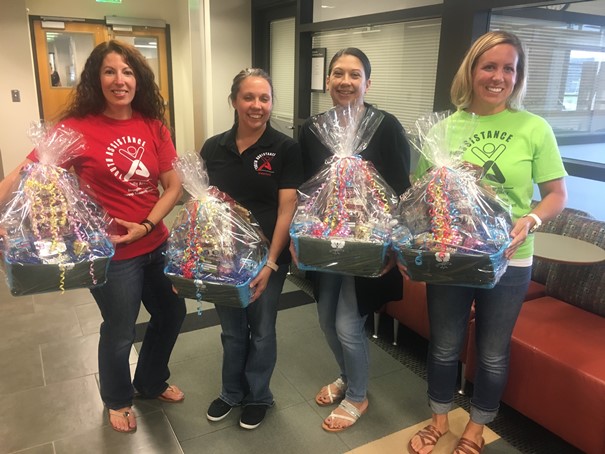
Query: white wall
{"x": 229, "y": 45}
{"x": 17, "y": 73}
{"x": 221, "y": 36}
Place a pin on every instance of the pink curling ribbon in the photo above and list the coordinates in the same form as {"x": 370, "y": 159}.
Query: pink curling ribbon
{"x": 441, "y": 219}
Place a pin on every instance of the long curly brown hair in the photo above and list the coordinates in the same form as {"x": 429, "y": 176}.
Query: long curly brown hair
{"x": 88, "y": 96}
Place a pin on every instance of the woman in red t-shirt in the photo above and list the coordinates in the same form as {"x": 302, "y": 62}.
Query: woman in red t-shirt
{"x": 118, "y": 109}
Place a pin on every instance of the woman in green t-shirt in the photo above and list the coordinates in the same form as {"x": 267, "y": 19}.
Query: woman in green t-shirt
{"x": 490, "y": 83}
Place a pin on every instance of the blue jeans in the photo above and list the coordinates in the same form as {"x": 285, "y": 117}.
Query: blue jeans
{"x": 496, "y": 312}
{"x": 344, "y": 329}
{"x": 128, "y": 283}
{"x": 250, "y": 346}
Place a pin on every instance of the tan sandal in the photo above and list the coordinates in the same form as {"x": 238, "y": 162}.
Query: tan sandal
{"x": 126, "y": 414}
{"x": 332, "y": 393}
{"x": 466, "y": 446}
{"x": 429, "y": 436}
{"x": 353, "y": 414}
{"x": 172, "y": 395}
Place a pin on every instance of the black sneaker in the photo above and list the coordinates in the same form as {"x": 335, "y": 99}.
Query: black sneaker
{"x": 218, "y": 410}
{"x": 252, "y": 416}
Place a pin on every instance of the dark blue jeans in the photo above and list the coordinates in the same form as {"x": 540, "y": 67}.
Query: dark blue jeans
{"x": 128, "y": 283}
{"x": 496, "y": 312}
{"x": 250, "y": 346}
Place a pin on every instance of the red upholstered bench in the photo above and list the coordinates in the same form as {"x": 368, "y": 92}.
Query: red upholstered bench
{"x": 557, "y": 372}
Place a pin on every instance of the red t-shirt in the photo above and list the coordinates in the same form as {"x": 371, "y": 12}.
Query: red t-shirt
{"x": 120, "y": 169}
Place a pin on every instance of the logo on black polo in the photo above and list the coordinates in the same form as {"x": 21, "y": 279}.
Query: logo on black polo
{"x": 262, "y": 163}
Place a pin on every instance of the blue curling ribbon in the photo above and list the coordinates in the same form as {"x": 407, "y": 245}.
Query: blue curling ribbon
{"x": 418, "y": 259}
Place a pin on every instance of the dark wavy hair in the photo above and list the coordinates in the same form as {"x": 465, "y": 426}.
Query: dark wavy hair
{"x": 355, "y": 52}
{"x": 88, "y": 96}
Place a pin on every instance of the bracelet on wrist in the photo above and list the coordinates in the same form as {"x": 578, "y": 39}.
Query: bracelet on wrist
{"x": 274, "y": 266}
{"x": 537, "y": 221}
{"x": 149, "y": 226}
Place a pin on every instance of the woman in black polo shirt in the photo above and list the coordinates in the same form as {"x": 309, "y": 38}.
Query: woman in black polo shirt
{"x": 261, "y": 169}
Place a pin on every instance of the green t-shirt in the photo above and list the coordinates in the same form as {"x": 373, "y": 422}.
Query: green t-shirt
{"x": 516, "y": 149}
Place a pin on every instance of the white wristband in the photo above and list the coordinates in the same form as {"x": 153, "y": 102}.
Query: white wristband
{"x": 274, "y": 266}
{"x": 536, "y": 218}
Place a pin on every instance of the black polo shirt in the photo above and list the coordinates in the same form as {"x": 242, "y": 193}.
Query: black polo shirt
{"x": 254, "y": 177}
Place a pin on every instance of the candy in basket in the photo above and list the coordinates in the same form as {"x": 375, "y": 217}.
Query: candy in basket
{"x": 454, "y": 228}
{"x": 215, "y": 247}
{"x": 54, "y": 236}
{"x": 344, "y": 217}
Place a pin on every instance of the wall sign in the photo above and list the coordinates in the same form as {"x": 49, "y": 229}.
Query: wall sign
{"x": 318, "y": 69}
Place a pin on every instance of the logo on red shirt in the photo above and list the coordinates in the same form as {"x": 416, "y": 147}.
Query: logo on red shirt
{"x": 124, "y": 159}
{"x": 262, "y": 163}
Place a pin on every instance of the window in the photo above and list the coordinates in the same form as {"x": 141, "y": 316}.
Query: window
{"x": 566, "y": 70}
{"x": 404, "y": 65}
{"x": 282, "y": 68}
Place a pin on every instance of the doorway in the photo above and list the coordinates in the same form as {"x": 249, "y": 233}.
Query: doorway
{"x": 61, "y": 48}
{"x": 60, "y": 51}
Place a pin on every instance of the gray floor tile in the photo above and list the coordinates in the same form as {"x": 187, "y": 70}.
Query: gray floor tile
{"x": 295, "y": 319}
{"x": 284, "y": 393}
{"x": 308, "y": 364}
{"x": 197, "y": 343}
{"x": 89, "y": 317}
{"x": 71, "y": 358}
{"x": 293, "y": 430}
{"x": 55, "y": 411}
{"x": 39, "y": 327}
{"x": 67, "y": 300}
{"x": 200, "y": 379}
{"x": 14, "y": 305}
{"x": 289, "y": 286}
{"x": 154, "y": 435}
{"x": 46, "y": 448}
{"x": 21, "y": 369}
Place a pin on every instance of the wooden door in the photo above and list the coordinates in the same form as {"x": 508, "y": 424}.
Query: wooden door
{"x": 151, "y": 42}
{"x": 61, "y": 49}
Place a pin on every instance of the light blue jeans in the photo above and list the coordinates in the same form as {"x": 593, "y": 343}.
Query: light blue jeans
{"x": 344, "y": 329}
{"x": 250, "y": 346}
{"x": 496, "y": 312}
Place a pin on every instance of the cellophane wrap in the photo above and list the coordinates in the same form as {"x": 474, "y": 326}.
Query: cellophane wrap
{"x": 54, "y": 235}
{"x": 454, "y": 228}
{"x": 215, "y": 247}
{"x": 345, "y": 212}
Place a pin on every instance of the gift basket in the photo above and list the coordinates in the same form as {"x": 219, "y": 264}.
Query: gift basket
{"x": 215, "y": 246}
{"x": 344, "y": 216}
{"x": 454, "y": 228}
{"x": 54, "y": 235}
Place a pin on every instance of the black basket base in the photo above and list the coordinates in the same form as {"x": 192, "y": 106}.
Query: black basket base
{"x": 29, "y": 279}
{"x": 222, "y": 294}
{"x": 354, "y": 258}
{"x": 461, "y": 269}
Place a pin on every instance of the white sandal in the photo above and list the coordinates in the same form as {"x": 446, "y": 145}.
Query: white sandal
{"x": 354, "y": 412}
{"x": 333, "y": 397}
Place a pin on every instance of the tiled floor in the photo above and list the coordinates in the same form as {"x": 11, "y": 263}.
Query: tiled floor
{"x": 51, "y": 405}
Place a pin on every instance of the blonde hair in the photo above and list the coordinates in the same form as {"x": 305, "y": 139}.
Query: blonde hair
{"x": 461, "y": 92}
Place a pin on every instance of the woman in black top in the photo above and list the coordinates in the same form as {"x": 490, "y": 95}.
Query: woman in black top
{"x": 344, "y": 302}
{"x": 260, "y": 168}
